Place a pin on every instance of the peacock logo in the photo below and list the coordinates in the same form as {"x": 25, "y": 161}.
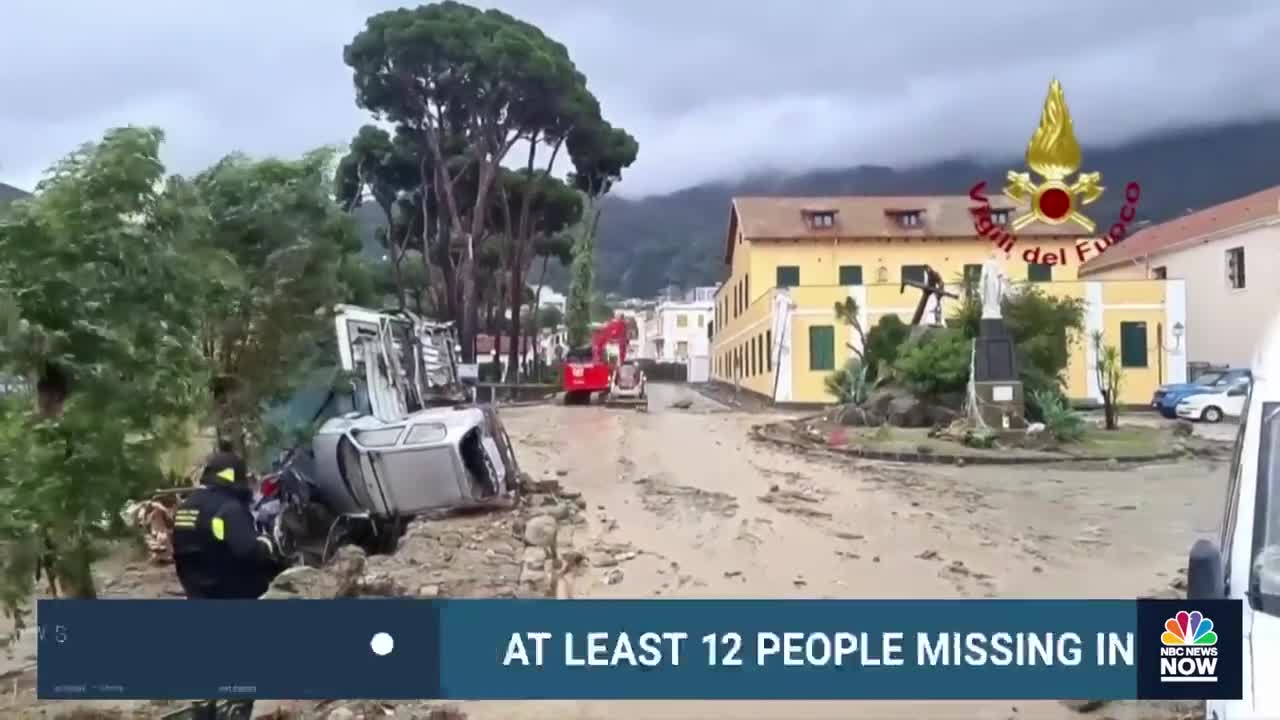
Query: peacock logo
{"x": 1189, "y": 628}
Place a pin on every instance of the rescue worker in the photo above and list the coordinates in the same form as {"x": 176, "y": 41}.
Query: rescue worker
{"x": 217, "y": 551}
{"x": 219, "y": 554}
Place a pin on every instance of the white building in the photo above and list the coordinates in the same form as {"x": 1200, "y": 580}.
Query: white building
{"x": 1225, "y": 254}
{"x": 549, "y": 298}
{"x": 681, "y": 331}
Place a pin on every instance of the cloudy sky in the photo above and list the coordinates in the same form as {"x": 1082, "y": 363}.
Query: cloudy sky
{"x": 711, "y": 88}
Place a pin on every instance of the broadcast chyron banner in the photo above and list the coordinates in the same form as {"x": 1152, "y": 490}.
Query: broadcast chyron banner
{"x": 642, "y": 649}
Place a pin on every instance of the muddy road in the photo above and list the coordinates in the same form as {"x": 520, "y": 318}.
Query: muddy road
{"x": 683, "y": 504}
{"x": 680, "y": 503}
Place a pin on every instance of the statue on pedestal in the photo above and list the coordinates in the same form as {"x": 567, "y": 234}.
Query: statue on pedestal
{"x": 991, "y": 287}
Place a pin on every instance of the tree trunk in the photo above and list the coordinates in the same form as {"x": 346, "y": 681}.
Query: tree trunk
{"x": 537, "y": 319}
{"x": 1108, "y": 410}
{"x": 393, "y": 249}
{"x": 74, "y": 570}
{"x": 514, "y": 353}
{"x": 470, "y": 314}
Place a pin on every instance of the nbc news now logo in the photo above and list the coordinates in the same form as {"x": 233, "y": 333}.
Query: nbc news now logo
{"x": 1190, "y": 652}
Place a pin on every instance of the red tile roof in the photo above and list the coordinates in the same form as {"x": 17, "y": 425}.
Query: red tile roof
{"x": 866, "y": 216}
{"x": 1171, "y": 235}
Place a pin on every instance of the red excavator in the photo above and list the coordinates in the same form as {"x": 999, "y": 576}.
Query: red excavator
{"x": 588, "y": 370}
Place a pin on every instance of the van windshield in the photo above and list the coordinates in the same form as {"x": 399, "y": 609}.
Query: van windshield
{"x": 1265, "y": 581}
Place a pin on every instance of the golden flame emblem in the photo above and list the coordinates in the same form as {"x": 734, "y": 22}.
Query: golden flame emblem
{"x": 1054, "y": 154}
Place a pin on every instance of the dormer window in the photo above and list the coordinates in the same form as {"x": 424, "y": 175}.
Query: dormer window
{"x": 820, "y": 219}
{"x": 907, "y": 218}
{"x": 1000, "y": 217}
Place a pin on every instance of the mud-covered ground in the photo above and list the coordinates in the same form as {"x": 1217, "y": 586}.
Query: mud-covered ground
{"x": 678, "y": 502}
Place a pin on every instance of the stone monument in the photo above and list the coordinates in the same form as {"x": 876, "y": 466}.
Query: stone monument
{"x": 998, "y": 390}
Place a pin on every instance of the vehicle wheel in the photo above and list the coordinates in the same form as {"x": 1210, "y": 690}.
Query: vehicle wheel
{"x": 1211, "y": 414}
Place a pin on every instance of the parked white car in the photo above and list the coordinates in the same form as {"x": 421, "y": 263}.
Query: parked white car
{"x": 1212, "y": 407}
{"x": 1243, "y": 563}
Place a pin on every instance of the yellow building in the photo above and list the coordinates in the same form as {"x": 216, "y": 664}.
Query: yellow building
{"x": 791, "y": 259}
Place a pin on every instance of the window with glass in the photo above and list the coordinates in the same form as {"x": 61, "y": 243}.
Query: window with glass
{"x": 1038, "y": 272}
{"x": 822, "y": 347}
{"x": 850, "y": 274}
{"x": 1264, "y": 582}
{"x": 914, "y": 273}
{"x": 1133, "y": 344}
{"x": 788, "y": 276}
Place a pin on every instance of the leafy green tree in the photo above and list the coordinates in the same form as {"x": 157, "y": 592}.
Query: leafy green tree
{"x": 936, "y": 363}
{"x": 849, "y": 383}
{"x": 600, "y": 153}
{"x": 104, "y": 313}
{"x": 279, "y": 253}
{"x": 558, "y": 247}
{"x": 847, "y": 312}
{"x": 450, "y": 73}
{"x": 883, "y": 342}
{"x": 1110, "y": 373}
{"x": 535, "y": 208}
{"x": 1043, "y": 328}
{"x": 386, "y": 171}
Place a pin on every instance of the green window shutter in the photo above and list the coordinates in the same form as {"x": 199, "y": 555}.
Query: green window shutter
{"x": 1133, "y": 344}
{"x": 1039, "y": 273}
{"x": 972, "y": 273}
{"x": 768, "y": 350}
{"x": 822, "y": 347}
{"x": 850, "y": 274}
{"x": 914, "y": 273}
{"x": 788, "y": 276}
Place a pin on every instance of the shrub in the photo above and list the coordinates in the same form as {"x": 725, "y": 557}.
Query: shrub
{"x": 936, "y": 364}
{"x": 981, "y": 438}
{"x": 849, "y": 383}
{"x": 883, "y": 344}
{"x": 1042, "y": 327}
{"x": 1060, "y": 421}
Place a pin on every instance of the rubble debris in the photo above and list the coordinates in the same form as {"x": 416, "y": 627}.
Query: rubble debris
{"x": 154, "y": 518}
{"x": 339, "y": 578}
{"x": 682, "y": 404}
{"x": 540, "y": 531}
{"x": 601, "y": 559}
{"x": 795, "y": 502}
{"x": 666, "y": 499}
{"x": 613, "y": 577}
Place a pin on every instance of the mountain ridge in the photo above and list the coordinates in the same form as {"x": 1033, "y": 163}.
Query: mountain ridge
{"x": 649, "y": 243}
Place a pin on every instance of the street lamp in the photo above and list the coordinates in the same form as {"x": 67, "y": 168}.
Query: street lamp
{"x": 1177, "y": 330}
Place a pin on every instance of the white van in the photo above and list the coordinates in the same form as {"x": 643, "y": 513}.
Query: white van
{"x": 1245, "y": 563}
{"x": 1212, "y": 407}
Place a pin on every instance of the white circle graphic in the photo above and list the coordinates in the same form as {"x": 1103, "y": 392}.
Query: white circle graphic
{"x": 382, "y": 644}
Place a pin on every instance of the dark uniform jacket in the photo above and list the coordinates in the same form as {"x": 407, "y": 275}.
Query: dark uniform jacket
{"x": 216, "y": 549}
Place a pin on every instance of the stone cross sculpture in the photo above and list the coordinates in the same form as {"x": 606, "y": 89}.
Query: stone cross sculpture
{"x": 991, "y": 286}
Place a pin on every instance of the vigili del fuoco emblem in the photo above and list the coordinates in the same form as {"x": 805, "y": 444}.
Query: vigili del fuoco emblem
{"x": 1054, "y": 155}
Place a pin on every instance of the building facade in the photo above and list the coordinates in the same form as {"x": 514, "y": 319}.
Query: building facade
{"x": 791, "y": 259}
{"x": 680, "y": 331}
{"x": 1221, "y": 254}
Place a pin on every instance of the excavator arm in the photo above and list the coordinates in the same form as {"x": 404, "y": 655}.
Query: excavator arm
{"x": 615, "y": 330}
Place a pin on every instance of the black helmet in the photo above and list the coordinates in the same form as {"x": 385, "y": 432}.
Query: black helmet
{"x": 225, "y": 469}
